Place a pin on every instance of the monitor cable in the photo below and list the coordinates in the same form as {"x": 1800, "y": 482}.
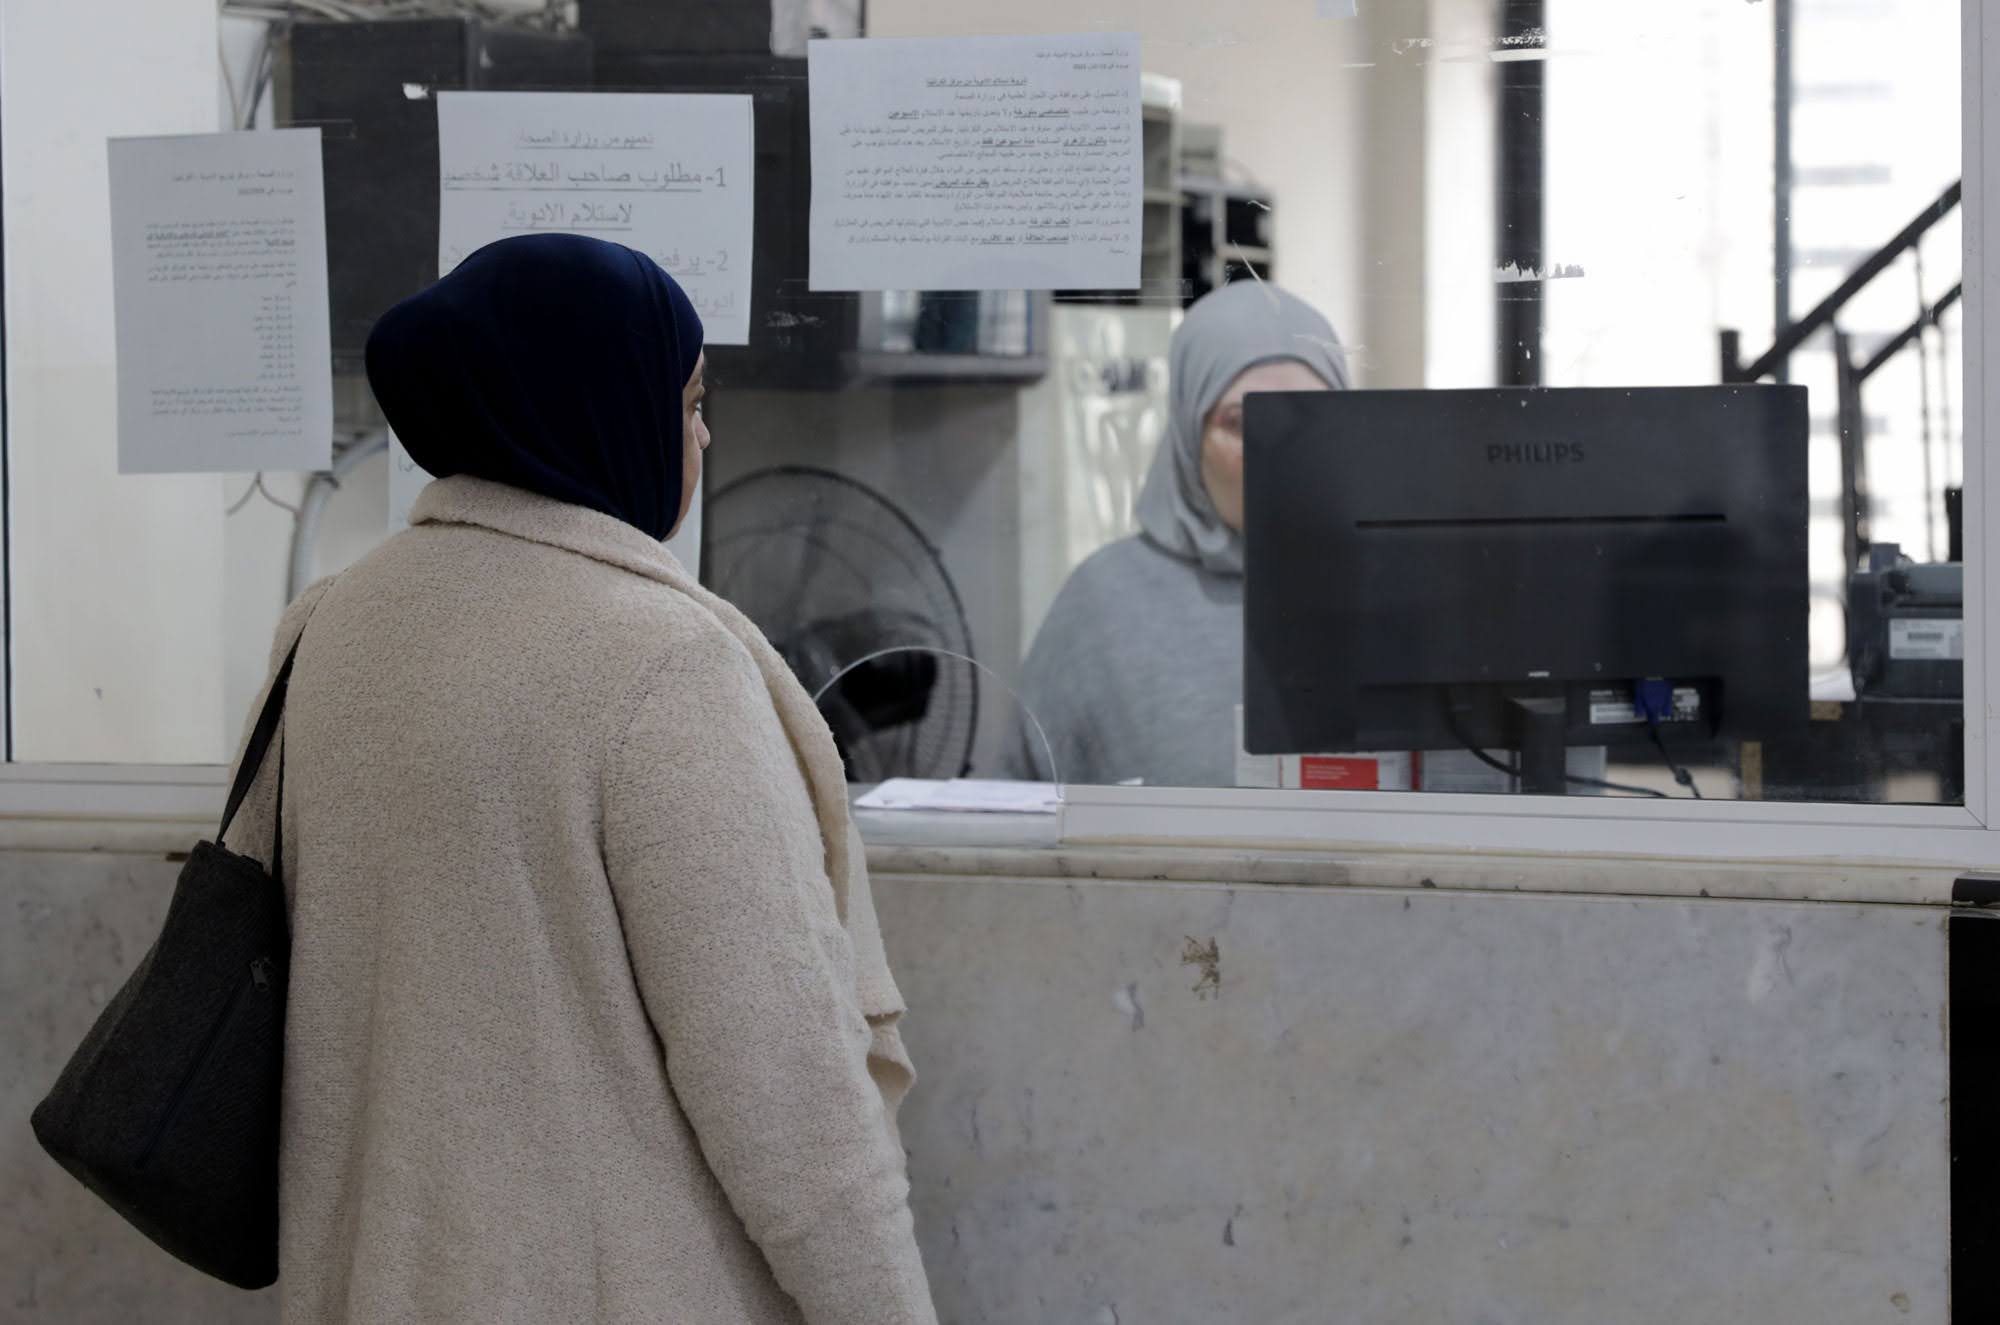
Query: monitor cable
{"x": 1680, "y": 772}
{"x": 1596, "y": 784}
{"x": 1653, "y": 700}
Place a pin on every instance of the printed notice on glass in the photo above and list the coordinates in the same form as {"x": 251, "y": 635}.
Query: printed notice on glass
{"x": 218, "y": 270}
{"x": 982, "y": 163}
{"x": 667, "y": 174}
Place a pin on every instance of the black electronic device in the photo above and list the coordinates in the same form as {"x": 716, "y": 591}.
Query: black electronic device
{"x": 733, "y": 27}
{"x": 1906, "y": 627}
{"x": 1524, "y": 569}
{"x": 372, "y": 87}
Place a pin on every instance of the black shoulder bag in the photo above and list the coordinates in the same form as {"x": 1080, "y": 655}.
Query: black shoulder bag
{"x": 168, "y": 1110}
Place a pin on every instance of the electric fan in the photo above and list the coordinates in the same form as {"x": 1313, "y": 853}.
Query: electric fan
{"x": 858, "y": 603}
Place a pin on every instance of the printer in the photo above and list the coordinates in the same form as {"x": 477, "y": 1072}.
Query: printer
{"x": 1906, "y": 627}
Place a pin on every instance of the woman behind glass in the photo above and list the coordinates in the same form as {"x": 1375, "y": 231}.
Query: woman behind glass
{"x": 1138, "y": 669}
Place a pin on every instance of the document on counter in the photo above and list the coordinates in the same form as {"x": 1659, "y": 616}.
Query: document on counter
{"x": 964, "y": 796}
{"x": 218, "y": 275}
{"x": 980, "y": 163}
{"x": 668, "y": 174}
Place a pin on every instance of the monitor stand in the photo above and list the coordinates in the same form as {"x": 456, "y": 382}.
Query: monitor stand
{"x": 1539, "y": 728}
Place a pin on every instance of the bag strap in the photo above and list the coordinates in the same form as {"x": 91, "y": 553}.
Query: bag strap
{"x": 254, "y": 751}
{"x": 277, "y": 870}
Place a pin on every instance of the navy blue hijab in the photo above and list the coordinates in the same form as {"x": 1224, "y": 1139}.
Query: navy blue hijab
{"x": 553, "y": 363}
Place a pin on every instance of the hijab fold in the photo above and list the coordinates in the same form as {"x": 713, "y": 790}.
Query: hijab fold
{"x": 1233, "y": 329}
{"x": 553, "y": 363}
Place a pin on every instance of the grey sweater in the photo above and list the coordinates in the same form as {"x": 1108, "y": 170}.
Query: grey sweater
{"x": 1136, "y": 673}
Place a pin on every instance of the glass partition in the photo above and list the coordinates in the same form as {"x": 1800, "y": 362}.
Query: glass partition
{"x": 1535, "y": 396}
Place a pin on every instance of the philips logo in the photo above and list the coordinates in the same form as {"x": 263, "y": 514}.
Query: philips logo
{"x": 1535, "y": 453}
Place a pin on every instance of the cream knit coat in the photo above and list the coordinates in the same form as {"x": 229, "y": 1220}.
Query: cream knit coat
{"x": 590, "y": 1019}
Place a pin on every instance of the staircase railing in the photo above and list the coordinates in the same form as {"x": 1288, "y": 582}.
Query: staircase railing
{"x": 1851, "y": 372}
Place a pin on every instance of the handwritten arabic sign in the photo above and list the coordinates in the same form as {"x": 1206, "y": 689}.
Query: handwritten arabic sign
{"x": 977, "y": 163}
{"x": 668, "y": 175}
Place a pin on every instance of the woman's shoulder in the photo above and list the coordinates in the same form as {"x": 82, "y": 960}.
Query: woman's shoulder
{"x": 674, "y": 631}
{"x": 588, "y": 619}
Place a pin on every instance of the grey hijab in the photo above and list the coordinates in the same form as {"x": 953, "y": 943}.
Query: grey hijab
{"x": 1237, "y": 327}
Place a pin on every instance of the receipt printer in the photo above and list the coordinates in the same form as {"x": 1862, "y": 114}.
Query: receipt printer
{"x": 1906, "y": 627}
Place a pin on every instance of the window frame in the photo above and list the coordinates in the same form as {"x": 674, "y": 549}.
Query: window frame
{"x": 1966, "y": 837}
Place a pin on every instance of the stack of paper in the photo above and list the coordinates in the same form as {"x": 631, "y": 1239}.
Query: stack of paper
{"x": 964, "y": 796}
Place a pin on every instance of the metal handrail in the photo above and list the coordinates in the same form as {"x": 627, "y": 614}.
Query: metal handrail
{"x": 1790, "y": 338}
{"x": 1894, "y": 345}
{"x": 1851, "y": 373}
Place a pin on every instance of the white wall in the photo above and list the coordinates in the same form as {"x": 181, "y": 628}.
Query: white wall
{"x": 117, "y": 606}
{"x": 257, "y": 550}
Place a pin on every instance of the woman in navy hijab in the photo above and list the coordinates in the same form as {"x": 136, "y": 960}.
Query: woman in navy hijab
{"x": 588, "y": 1014}
{"x": 553, "y": 363}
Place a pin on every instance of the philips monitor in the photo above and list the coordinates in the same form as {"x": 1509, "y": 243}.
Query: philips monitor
{"x": 1524, "y": 570}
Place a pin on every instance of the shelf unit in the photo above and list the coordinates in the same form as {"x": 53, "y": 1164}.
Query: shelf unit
{"x": 1160, "y": 258}
{"x": 1227, "y": 233}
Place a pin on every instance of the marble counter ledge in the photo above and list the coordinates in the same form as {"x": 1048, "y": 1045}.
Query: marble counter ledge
{"x": 1389, "y": 867}
{"x": 1028, "y": 848}
{"x": 132, "y": 837}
